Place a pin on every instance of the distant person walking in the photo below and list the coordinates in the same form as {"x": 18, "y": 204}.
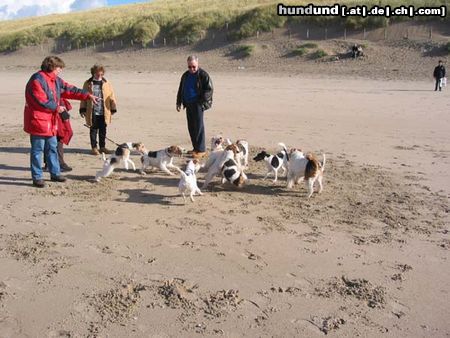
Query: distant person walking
{"x": 43, "y": 102}
{"x": 98, "y": 115}
{"x": 439, "y": 74}
{"x": 195, "y": 93}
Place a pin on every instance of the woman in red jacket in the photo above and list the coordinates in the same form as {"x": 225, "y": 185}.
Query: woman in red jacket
{"x": 43, "y": 95}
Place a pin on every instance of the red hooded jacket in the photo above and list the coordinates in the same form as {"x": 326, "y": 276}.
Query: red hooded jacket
{"x": 43, "y": 95}
{"x": 64, "y": 132}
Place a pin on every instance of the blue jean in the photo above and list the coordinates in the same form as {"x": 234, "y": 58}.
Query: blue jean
{"x": 196, "y": 127}
{"x": 49, "y": 146}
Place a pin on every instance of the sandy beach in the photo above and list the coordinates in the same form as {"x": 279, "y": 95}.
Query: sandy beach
{"x": 126, "y": 257}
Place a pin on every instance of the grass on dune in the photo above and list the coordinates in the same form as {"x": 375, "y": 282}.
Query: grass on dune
{"x": 173, "y": 19}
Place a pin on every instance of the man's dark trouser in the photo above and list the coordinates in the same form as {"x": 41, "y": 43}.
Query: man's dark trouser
{"x": 438, "y": 83}
{"x": 98, "y": 124}
{"x": 194, "y": 114}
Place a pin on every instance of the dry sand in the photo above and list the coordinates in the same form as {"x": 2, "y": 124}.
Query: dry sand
{"x": 126, "y": 258}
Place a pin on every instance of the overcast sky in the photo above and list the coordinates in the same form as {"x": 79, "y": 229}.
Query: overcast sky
{"x": 14, "y": 9}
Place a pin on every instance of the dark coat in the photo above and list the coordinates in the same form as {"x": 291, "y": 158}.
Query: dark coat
{"x": 439, "y": 72}
{"x": 204, "y": 89}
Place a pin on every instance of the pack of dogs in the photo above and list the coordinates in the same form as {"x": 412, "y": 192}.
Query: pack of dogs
{"x": 227, "y": 159}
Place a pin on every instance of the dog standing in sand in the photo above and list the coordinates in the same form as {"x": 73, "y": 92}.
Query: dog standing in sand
{"x": 307, "y": 168}
{"x": 122, "y": 154}
{"x": 188, "y": 181}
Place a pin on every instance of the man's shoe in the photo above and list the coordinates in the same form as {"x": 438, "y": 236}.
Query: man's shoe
{"x": 39, "y": 183}
{"x": 65, "y": 167}
{"x": 190, "y": 152}
{"x": 58, "y": 178}
{"x": 105, "y": 151}
{"x": 95, "y": 151}
{"x": 198, "y": 154}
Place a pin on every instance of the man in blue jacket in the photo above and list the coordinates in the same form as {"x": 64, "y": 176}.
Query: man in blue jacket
{"x": 195, "y": 94}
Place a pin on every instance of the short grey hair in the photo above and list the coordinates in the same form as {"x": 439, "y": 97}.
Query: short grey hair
{"x": 192, "y": 58}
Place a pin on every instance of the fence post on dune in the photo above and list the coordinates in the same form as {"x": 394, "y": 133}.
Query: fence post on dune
{"x": 257, "y": 34}
{"x": 431, "y": 34}
{"x": 290, "y": 34}
{"x": 364, "y": 33}
{"x": 153, "y": 42}
{"x": 164, "y": 42}
{"x": 385, "y": 33}
{"x": 345, "y": 33}
{"x": 326, "y": 33}
{"x": 307, "y": 33}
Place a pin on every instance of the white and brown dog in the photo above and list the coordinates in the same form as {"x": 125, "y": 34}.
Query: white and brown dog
{"x": 161, "y": 159}
{"x": 188, "y": 181}
{"x": 217, "y": 143}
{"x": 242, "y": 156}
{"x": 122, "y": 154}
{"x": 306, "y": 168}
{"x": 216, "y": 161}
{"x": 233, "y": 173}
{"x": 274, "y": 162}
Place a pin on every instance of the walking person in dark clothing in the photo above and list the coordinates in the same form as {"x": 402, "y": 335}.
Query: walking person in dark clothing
{"x": 98, "y": 116}
{"x": 195, "y": 94}
{"x": 439, "y": 73}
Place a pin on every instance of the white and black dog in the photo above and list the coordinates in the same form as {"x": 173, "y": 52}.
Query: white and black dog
{"x": 242, "y": 156}
{"x": 274, "y": 162}
{"x": 161, "y": 159}
{"x": 122, "y": 154}
{"x": 306, "y": 168}
{"x": 233, "y": 173}
{"x": 188, "y": 181}
{"x": 216, "y": 161}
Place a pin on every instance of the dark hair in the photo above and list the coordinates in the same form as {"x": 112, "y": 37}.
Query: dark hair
{"x": 440, "y": 61}
{"x": 97, "y": 68}
{"x": 50, "y": 63}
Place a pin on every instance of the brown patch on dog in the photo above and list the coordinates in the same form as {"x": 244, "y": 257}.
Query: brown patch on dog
{"x": 175, "y": 150}
{"x": 139, "y": 146}
{"x": 293, "y": 150}
{"x": 312, "y": 167}
{"x": 233, "y": 147}
{"x": 239, "y": 181}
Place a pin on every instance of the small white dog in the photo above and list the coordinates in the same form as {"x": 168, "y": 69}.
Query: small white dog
{"x": 306, "y": 168}
{"x": 188, "y": 181}
{"x": 161, "y": 159}
{"x": 122, "y": 154}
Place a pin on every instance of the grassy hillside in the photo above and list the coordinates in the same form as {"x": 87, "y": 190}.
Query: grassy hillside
{"x": 175, "y": 19}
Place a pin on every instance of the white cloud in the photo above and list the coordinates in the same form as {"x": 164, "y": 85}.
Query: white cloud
{"x": 14, "y": 9}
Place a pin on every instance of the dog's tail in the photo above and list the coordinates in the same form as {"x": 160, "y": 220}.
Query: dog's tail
{"x": 103, "y": 157}
{"x": 322, "y": 165}
{"x": 283, "y": 147}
